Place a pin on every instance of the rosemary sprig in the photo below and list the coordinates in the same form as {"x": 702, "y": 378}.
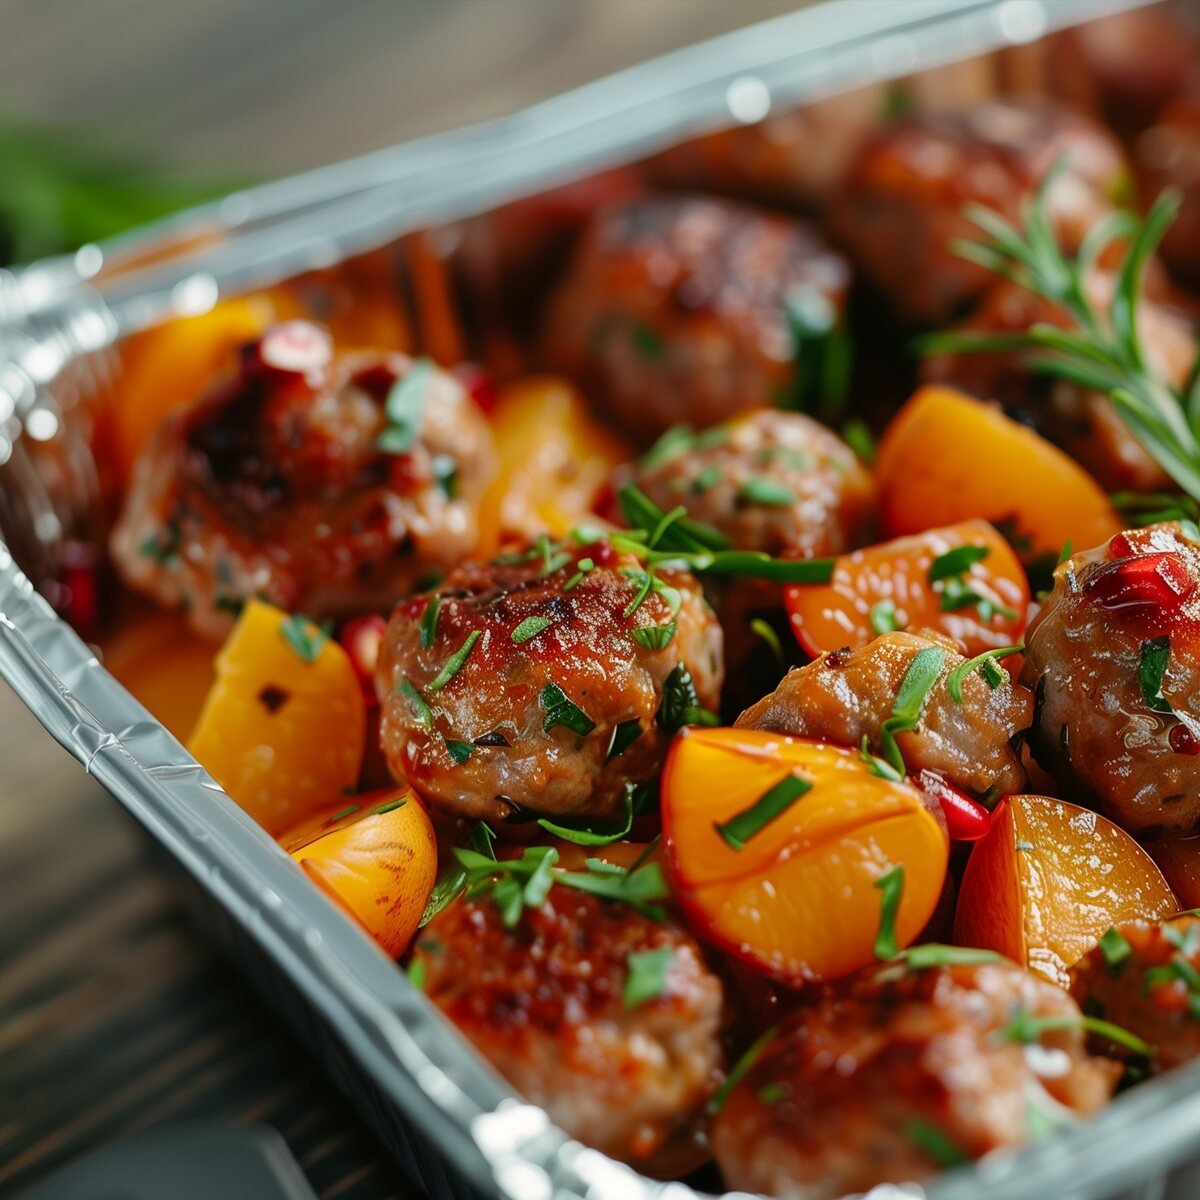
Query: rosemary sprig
{"x": 1102, "y": 350}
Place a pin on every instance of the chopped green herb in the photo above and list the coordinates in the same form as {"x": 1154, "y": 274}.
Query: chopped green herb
{"x": 875, "y": 764}
{"x": 459, "y": 751}
{"x": 771, "y": 1093}
{"x": 390, "y": 806}
{"x": 933, "y": 954}
{"x": 343, "y": 813}
{"x": 304, "y": 638}
{"x": 892, "y": 887}
{"x": 429, "y": 620}
{"x": 405, "y": 405}
{"x": 653, "y": 637}
{"x": 957, "y": 561}
{"x": 1064, "y": 553}
{"x": 647, "y": 342}
{"x": 883, "y": 617}
{"x": 772, "y": 804}
{"x": 821, "y": 355}
{"x": 981, "y": 662}
{"x": 935, "y": 1144}
{"x": 909, "y": 704}
{"x": 1024, "y": 1028}
{"x": 560, "y": 710}
{"x": 676, "y": 441}
{"x": 453, "y": 876}
{"x": 594, "y": 833}
{"x": 766, "y": 492}
{"x": 706, "y": 480}
{"x": 530, "y": 628}
{"x": 1115, "y": 948}
{"x": 1151, "y": 669}
{"x": 445, "y": 471}
{"x": 454, "y": 663}
{"x": 582, "y": 567}
{"x": 856, "y": 433}
{"x": 163, "y": 545}
{"x": 416, "y": 702}
{"x": 623, "y": 736}
{"x": 749, "y": 1057}
{"x": 642, "y": 581}
{"x": 646, "y": 976}
{"x": 416, "y": 973}
{"x": 766, "y": 631}
{"x": 680, "y": 704}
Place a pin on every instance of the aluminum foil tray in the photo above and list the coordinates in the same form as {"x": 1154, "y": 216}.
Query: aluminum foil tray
{"x": 433, "y": 1102}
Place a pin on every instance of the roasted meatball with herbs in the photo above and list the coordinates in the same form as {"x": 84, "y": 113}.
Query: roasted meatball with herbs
{"x": 1113, "y": 658}
{"x": 772, "y": 481}
{"x": 607, "y": 1019}
{"x": 1082, "y": 421}
{"x": 544, "y": 681}
{"x": 847, "y": 695}
{"x": 903, "y": 1072}
{"x": 325, "y": 484}
{"x": 1145, "y": 978}
{"x": 902, "y": 202}
{"x": 690, "y": 309}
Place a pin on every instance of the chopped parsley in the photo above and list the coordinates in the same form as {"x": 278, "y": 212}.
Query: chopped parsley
{"x": 892, "y": 886}
{"x": 993, "y": 674}
{"x": 417, "y": 704}
{"x": 935, "y": 1144}
{"x": 680, "y": 704}
{"x": 429, "y": 620}
{"x": 646, "y": 975}
{"x": 766, "y": 632}
{"x": 1024, "y": 1028}
{"x": 654, "y": 637}
{"x": 304, "y": 638}
{"x": 740, "y": 1069}
{"x": 768, "y": 492}
{"x": 454, "y": 663}
{"x": 561, "y": 710}
{"x": 883, "y": 617}
{"x": 1152, "y": 666}
{"x": 405, "y": 406}
{"x": 623, "y": 736}
{"x": 771, "y": 805}
{"x": 459, "y": 751}
{"x": 452, "y": 877}
{"x": 594, "y": 833}
{"x": 529, "y": 629}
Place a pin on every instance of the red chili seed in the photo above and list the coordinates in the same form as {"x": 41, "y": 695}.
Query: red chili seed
{"x": 1182, "y": 740}
{"x": 966, "y": 819}
{"x": 1155, "y": 580}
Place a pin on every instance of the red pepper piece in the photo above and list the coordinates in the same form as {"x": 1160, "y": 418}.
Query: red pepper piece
{"x": 966, "y": 819}
{"x": 361, "y": 639}
{"x": 1151, "y": 580}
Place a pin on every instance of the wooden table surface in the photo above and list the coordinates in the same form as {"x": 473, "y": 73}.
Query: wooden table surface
{"x": 114, "y": 1014}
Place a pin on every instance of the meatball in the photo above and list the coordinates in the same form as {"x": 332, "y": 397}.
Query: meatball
{"x": 847, "y": 695}
{"x": 1114, "y": 660}
{"x": 902, "y": 1071}
{"x": 527, "y": 683}
{"x": 683, "y": 309}
{"x": 1139, "y": 979}
{"x": 325, "y": 484}
{"x": 544, "y": 1002}
{"x": 901, "y": 202}
{"x": 773, "y": 481}
{"x": 1083, "y": 422}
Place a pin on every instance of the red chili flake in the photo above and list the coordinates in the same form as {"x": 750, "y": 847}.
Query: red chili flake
{"x": 1159, "y": 581}
{"x": 966, "y": 819}
{"x": 1182, "y": 740}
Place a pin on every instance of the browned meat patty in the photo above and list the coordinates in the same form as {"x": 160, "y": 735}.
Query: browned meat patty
{"x": 558, "y": 704}
{"x": 900, "y": 1073}
{"x": 846, "y": 695}
{"x": 902, "y": 200}
{"x": 1083, "y": 422}
{"x": 545, "y": 1003}
{"x": 1140, "y": 978}
{"x": 1114, "y": 660}
{"x": 675, "y": 309}
{"x": 773, "y": 481}
{"x": 290, "y": 482}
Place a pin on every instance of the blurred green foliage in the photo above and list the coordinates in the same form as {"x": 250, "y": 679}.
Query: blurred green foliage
{"x": 59, "y": 190}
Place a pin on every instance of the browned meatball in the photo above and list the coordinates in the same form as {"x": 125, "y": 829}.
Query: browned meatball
{"x": 1114, "y": 660}
{"x": 1139, "y": 979}
{"x": 902, "y": 201}
{"x": 772, "y": 481}
{"x": 561, "y": 699}
{"x": 848, "y": 694}
{"x": 676, "y": 309}
{"x": 545, "y": 1003}
{"x": 290, "y": 482}
{"x": 1083, "y": 422}
{"x": 900, "y": 1072}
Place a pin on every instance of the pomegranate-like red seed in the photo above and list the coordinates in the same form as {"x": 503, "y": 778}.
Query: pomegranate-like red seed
{"x": 1182, "y": 740}
{"x": 1156, "y": 580}
{"x": 1119, "y": 546}
{"x": 296, "y": 346}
